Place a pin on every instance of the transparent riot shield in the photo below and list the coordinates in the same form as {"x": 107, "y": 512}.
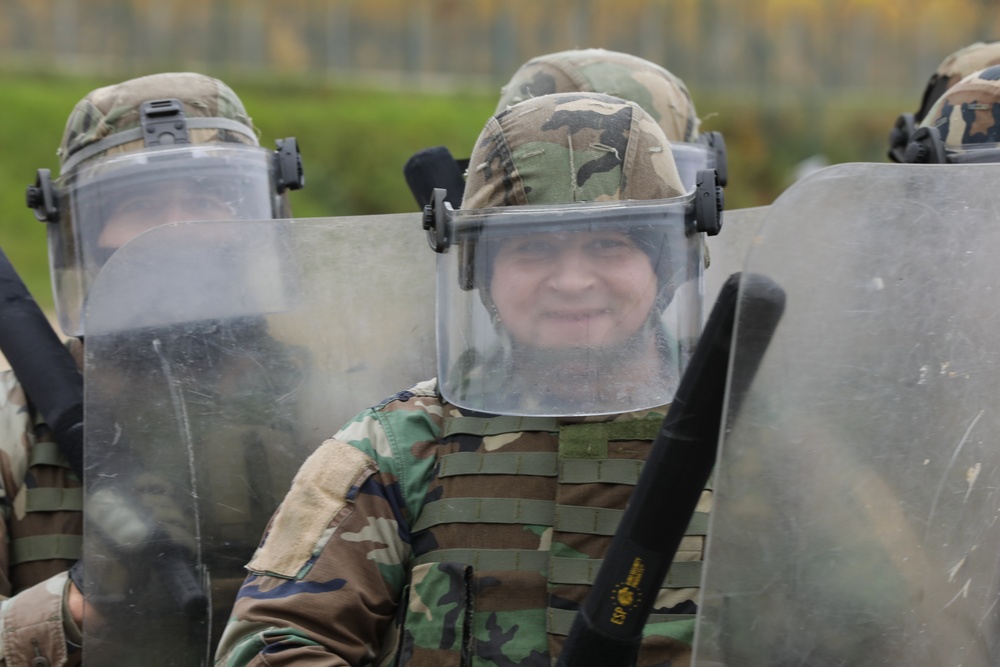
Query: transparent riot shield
{"x": 218, "y": 356}
{"x": 728, "y": 249}
{"x": 858, "y": 485}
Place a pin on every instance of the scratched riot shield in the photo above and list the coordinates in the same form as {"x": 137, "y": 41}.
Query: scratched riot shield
{"x": 218, "y": 356}
{"x": 728, "y": 249}
{"x": 856, "y": 494}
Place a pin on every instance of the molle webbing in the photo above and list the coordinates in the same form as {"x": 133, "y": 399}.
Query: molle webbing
{"x": 544, "y": 464}
{"x": 46, "y": 547}
{"x": 45, "y": 499}
{"x": 483, "y": 426}
{"x": 47, "y": 453}
{"x": 582, "y": 458}
{"x": 54, "y": 500}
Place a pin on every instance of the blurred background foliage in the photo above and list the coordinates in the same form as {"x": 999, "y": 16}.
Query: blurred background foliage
{"x": 363, "y": 84}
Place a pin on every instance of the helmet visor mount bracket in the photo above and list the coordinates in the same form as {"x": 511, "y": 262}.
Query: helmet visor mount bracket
{"x": 709, "y": 202}
{"x": 900, "y": 136}
{"x": 435, "y": 220}
{"x": 289, "y": 174}
{"x": 163, "y": 123}
{"x": 43, "y": 198}
{"x": 716, "y": 145}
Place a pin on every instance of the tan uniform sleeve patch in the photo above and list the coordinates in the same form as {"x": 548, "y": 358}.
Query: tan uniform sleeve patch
{"x": 315, "y": 505}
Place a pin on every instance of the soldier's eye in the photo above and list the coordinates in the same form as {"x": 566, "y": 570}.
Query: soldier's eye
{"x": 136, "y": 205}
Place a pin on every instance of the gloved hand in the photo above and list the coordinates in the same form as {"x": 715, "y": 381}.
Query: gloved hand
{"x": 146, "y": 538}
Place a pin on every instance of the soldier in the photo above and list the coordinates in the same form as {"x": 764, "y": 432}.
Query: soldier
{"x": 461, "y": 520}
{"x": 952, "y": 69}
{"x": 660, "y": 93}
{"x": 963, "y": 126}
{"x": 156, "y": 149}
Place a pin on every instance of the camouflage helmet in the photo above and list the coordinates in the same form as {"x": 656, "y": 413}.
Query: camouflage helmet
{"x": 963, "y": 125}
{"x": 570, "y": 148}
{"x": 163, "y": 148}
{"x": 108, "y": 121}
{"x": 952, "y": 69}
{"x": 590, "y": 147}
{"x": 956, "y": 67}
{"x": 566, "y": 186}
{"x": 661, "y": 94}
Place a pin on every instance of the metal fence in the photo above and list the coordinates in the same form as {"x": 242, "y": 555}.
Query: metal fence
{"x": 752, "y": 44}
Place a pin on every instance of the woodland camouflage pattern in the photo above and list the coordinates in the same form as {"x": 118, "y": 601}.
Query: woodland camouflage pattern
{"x": 661, "y": 94}
{"x": 115, "y": 108}
{"x": 956, "y": 67}
{"x": 431, "y": 536}
{"x": 570, "y": 147}
{"x": 969, "y": 113}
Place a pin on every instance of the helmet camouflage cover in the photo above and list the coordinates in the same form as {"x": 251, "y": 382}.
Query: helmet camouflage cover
{"x": 661, "y": 94}
{"x": 114, "y": 109}
{"x": 956, "y": 67}
{"x": 589, "y": 147}
{"x": 969, "y": 112}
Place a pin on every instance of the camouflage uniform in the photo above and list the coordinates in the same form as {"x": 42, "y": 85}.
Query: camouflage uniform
{"x": 969, "y": 112}
{"x": 42, "y": 497}
{"x": 424, "y": 534}
{"x": 660, "y": 94}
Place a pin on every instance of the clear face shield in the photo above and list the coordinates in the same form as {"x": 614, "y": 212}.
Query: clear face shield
{"x": 580, "y": 309}
{"x": 114, "y": 199}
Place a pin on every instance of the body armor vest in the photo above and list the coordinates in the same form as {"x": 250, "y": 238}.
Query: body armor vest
{"x": 45, "y": 517}
{"x": 513, "y": 530}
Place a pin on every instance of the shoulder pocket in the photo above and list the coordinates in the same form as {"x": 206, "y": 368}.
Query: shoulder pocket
{"x": 320, "y": 498}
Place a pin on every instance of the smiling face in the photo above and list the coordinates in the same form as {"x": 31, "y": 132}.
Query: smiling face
{"x": 572, "y": 290}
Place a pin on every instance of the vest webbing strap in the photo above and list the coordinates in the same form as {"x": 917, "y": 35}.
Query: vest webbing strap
{"x": 47, "y": 454}
{"x": 544, "y": 464}
{"x": 53, "y": 500}
{"x": 565, "y": 518}
{"x": 46, "y": 547}
{"x": 603, "y": 471}
{"x": 638, "y": 429}
{"x": 685, "y": 574}
{"x": 574, "y": 571}
{"x": 483, "y": 426}
{"x": 560, "y": 620}
{"x": 486, "y": 510}
{"x": 587, "y": 520}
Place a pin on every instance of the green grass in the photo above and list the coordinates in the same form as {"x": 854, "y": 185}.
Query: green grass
{"x": 355, "y": 140}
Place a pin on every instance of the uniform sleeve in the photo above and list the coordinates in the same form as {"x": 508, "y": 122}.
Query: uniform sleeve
{"x": 32, "y": 626}
{"x": 31, "y": 622}
{"x": 325, "y": 582}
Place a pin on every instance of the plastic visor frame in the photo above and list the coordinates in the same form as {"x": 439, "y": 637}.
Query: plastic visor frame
{"x": 444, "y": 225}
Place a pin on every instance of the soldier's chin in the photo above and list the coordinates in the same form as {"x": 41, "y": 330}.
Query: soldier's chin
{"x": 578, "y": 359}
